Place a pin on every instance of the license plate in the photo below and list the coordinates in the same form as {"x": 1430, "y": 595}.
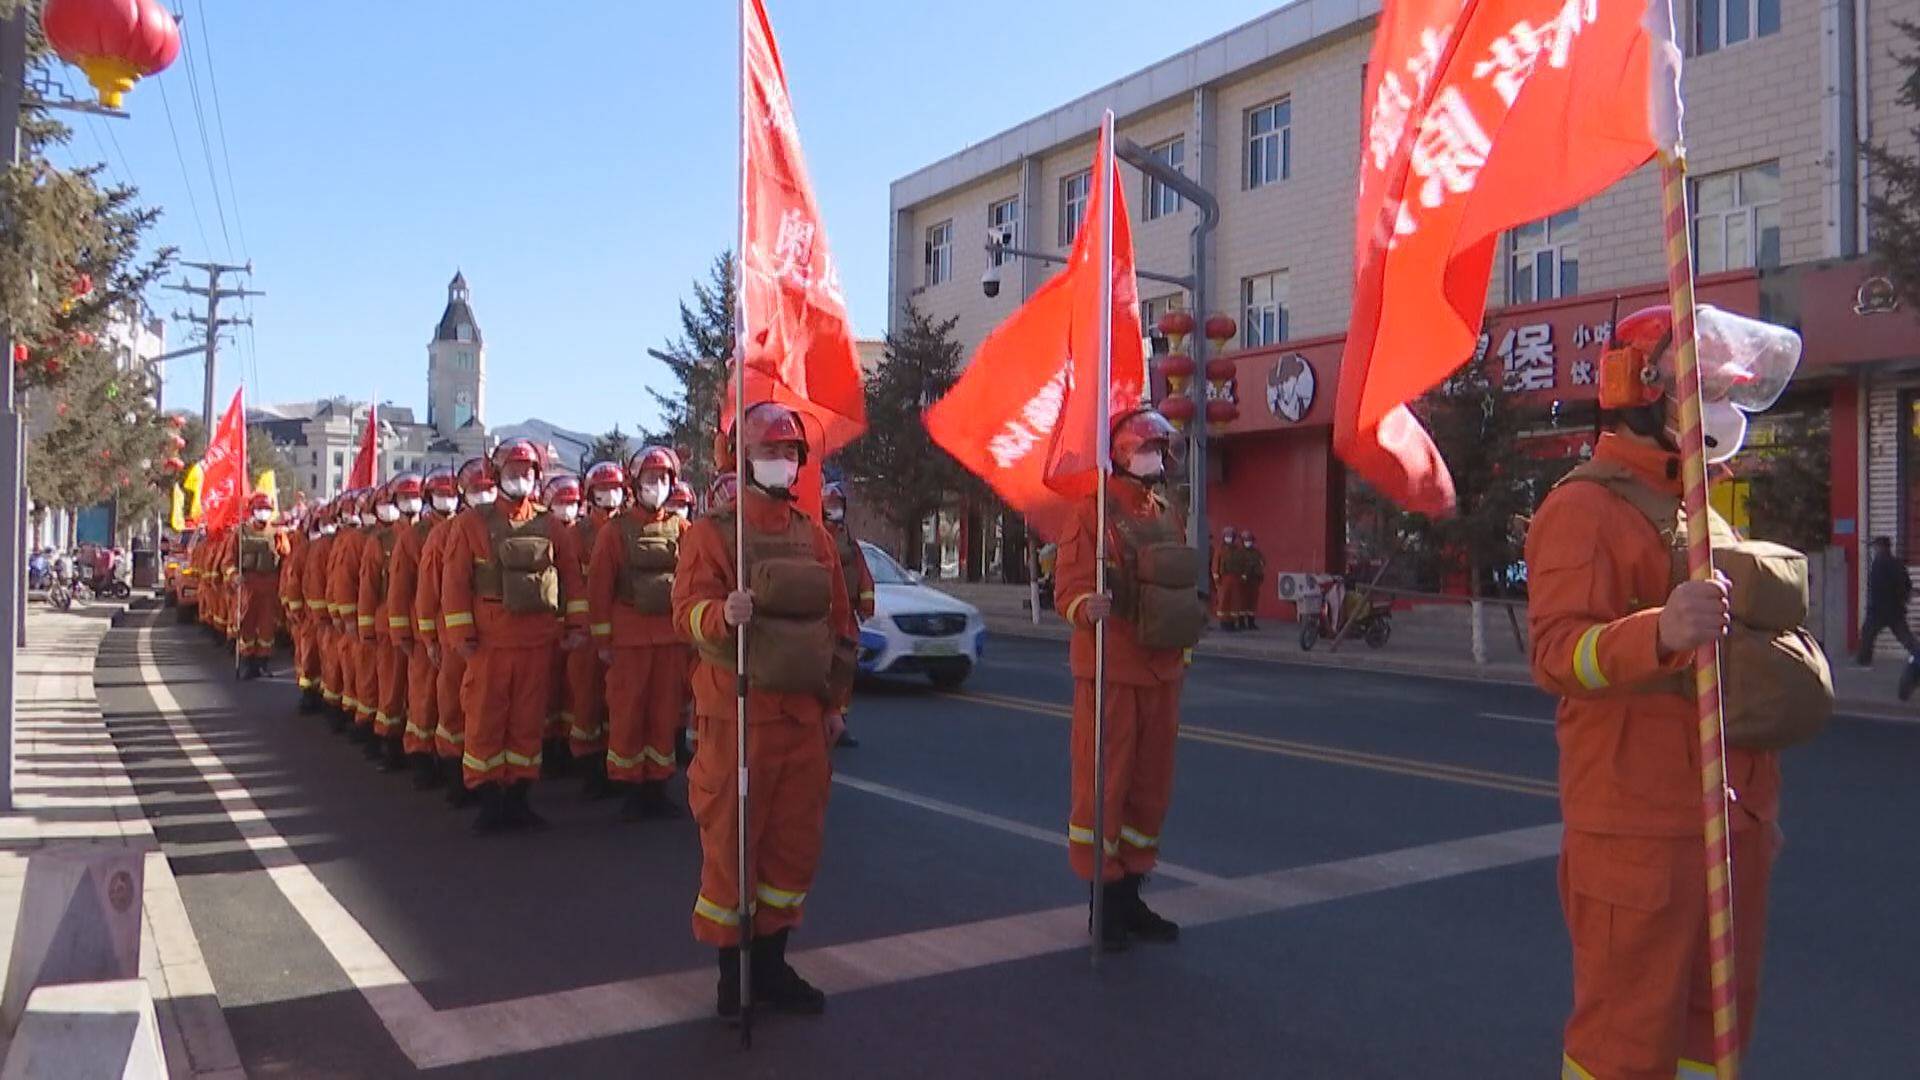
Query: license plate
{"x": 935, "y": 648}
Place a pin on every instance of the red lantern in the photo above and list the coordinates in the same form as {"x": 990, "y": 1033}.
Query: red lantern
{"x": 83, "y": 285}
{"x": 176, "y": 441}
{"x": 21, "y": 354}
{"x": 1221, "y": 413}
{"x": 1178, "y": 368}
{"x": 116, "y": 42}
{"x": 174, "y": 464}
{"x": 84, "y": 338}
{"x": 1178, "y": 410}
{"x": 60, "y": 409}
{"x": 1176, "y": 323}
{"x": 106, "y": 455}
{"x": 1220, "y": 330}
{"x": 176, "y": 422}
{"x": 1221, "y": 370}
{"x": 53, "y": 365}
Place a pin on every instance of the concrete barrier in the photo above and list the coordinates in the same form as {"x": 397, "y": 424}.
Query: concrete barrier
{"x": 88, "y": 1031}
{"x": 79, "y": 922}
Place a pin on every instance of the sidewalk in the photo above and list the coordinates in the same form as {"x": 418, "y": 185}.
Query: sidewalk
{"x": 1435, "y": 640}
{"x": 70, "y": 788}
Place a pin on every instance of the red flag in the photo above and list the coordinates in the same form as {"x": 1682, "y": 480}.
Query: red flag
{"x": 799, "y": 345}
{"x": 366, "y": 461}
{"x": 1022, "y": 392}
{"x": 1482, "y": 115}
{"x": 223, "y": 476}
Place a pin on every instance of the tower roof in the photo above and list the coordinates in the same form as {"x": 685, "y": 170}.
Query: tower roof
{"x": 459, "y": 312}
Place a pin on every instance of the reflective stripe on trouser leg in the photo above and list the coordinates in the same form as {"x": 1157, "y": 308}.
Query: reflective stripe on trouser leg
{"x": 421, "y": 717}
{"x": 507, "y": 712}
{"x": 1142, "y": 723}
{"x": 587, "y": 697}
{"x": 450, "y": 723}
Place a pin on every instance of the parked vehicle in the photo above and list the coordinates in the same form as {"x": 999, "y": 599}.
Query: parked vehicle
{"x": 1368, "y": 617}
{"x": 916, "y": 630}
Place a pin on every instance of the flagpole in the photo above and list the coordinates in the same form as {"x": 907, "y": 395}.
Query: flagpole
{"x": 1706, "y": 679}
{"x": 745, "y": 866}
{"x": 1103, "y": 441}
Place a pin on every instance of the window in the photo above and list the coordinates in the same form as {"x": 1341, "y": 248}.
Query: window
{"x": 1720, "y": 23}
{"x": 1736, "y": 219}
{"x": 1073, "y": 204}
{"x": 464, "y": 332}
{"x": 1263, "y": 309}
{"x": 339, "y": 459}
{"x": 1545, "y": 259}
{"x": 1270, "y": 143}
{"x": 1150, "y": 311}
{"x": 1161, "y": 200}
{"x": 1003, "y": 221}
{"x": 939, "y": 264}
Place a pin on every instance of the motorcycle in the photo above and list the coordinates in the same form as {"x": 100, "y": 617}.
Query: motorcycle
{"x": 62, "y": 594}
{"x": 1370, "y": 619}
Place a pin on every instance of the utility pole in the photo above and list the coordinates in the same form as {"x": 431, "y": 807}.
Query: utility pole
{"x": 212, "y": 322}
{"x": 13, "y": 489}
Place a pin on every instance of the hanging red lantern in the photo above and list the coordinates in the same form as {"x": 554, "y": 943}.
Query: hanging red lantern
{"x": 174, "y": 464}
{"x": 116, "y": 42}
{"x": 83, "y": 285}
{"x": 176, "y": 422}
{"x": 1221, "y": 370}
{"x": 1220, "y": 413}
{"x": 21, "y": 354}
{"x": 1176, "y": 325}
{"x": 60, "y": 409}
{"x": 84, "y": 338}
{"x": 1220, "y": 330}
{"x": 176, "y": 442}
{"x": 1179, "y": 410}
{"x": 1178, "y": 368}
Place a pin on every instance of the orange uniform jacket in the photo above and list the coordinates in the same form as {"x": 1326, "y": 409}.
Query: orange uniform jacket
{"x": 623, "y": 625}
{"x": 293, "y": 597}
{"x": 700, "y": 586}
{"x": 466, "y": 618}
{"x": 343, "y": 577}
{"x": 315, "y": 569}
{"x": 1128, "y": 662}
{"x": 1597, "y": 576}
{"x": 426, "y": 591}
{"x": 370, "y": 592}
{"x": 403, "y": 578}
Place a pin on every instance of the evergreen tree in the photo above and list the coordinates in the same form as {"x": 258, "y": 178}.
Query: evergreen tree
{"x": 1893, "y": 212}
{"x": 609, "y": 447}
{"x": 697, "y": 361}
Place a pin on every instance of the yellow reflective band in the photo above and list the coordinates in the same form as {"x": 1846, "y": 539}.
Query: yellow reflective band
{"x": 459, "y": 618}
{"x": 1571, "y": 1070}
{"x": 623, "y": 762}
{"x": 657, "y": 757}
{"x": 329, "y": 695}
{"x": 479, "y": 561}
{"x": 364, "y": 620}
{"x": 425, "y": 626}
{"x": 295, "y": 605}
{"x": 306, "y": 683}
{"x": 697, "y": 616}
{"x": 866, "y": 594}
{"x": 483, "y": 765}
{"x": 396, "y": 622}
{"x": 576, "y": 607}
{"x": 1586, "y": 659}
{"x": 1137, "y": 838}
{"x": 441, "y": 734}
{"x": 417, "y": 731}
{"x": 1695, "y": 1070}
{"x": 349, "y": 701}
{"x": 602, "y": 629}
{"x": 713, "y": 912}
{"x": 1073, "y": 609}
{"x": 779, "y": 898}
{"x": 522, "y": 760}
{"x": 580, "y": 734}
{"x": 1077, "y": 834}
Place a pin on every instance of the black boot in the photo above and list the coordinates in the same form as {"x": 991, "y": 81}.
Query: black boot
{"x": 310, "y": 701}
{"x": 1142, "y": 921}
{"x": 426, "y": 774}
{"x": 775, "y": 983}
{"x": 459, "y": 795}
{"x": 596, "y": 786}
{"x": 682, "y": 749}
{"x": 1251, "y": 625}
{"x": 728, "y": 1003}
{"x": 372, "y": 743}
{"x": 658, "y": 803}
{"x": 493, "y": 815}
{"x": 556, "y": 759}
{"x": 1113, "y": 916}
{"x": 519, "y": 810}
{"x": 635, "y": 807}
{"x": 339, "y": 722}
{"x": 393, "y": 756}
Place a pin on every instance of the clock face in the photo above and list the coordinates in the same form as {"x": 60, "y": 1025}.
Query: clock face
{"x": 463, "y": 398}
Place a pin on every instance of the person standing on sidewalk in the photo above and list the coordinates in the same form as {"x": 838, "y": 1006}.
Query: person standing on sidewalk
{"x": 1253, "y": 577}
{"x": 1889, "y": 587}
{"x": 1226, "y": 579}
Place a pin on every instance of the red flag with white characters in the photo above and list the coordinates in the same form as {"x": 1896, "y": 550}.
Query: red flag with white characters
{"x": 1482, "y": 115}
{"x": 223, "y": 475}
{"x": 799, "y": 345}
{"x": 1025, "y": 415}
{"x": 366, "y": 461}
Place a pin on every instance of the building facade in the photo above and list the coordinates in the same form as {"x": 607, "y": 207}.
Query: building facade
{"x": 1267, "y": 116}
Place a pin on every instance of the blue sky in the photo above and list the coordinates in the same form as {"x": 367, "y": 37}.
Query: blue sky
{"x": 575, "y": 160}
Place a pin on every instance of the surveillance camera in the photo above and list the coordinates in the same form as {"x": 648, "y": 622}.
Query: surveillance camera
{"x": 990, "y": 281}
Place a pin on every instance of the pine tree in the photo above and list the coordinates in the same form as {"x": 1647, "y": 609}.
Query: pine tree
{"x": 612, "y": 446}
{"x": 1894, "y": 211}
{"x": 696, "y": 360}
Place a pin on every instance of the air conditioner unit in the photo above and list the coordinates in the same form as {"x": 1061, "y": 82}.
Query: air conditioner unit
{"x": 1293, "y": 586}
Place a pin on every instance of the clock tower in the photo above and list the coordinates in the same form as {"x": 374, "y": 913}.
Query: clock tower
{"x": 456, "y": 365}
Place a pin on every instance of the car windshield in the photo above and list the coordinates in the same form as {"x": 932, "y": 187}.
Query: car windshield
{"x": 885, "y": 571}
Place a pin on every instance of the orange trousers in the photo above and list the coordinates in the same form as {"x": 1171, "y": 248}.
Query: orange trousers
{"x": 559, "y": 696}
{"x": 586, "y": 711}
{"x": 306, "y": 654}
{"x": 505, "y": 695}
{"x": 366, "y": 681}
{"x": 789, "y": 777}
{"x": 1142, "y": 724}
{"x": 390, "y": 697}
{"x": 259, "y": 615}
{"x": 1636, "y": 908}
{"x": 326, "y": 646}
{"x": 450, "y": 719}
{"x": 347, "y": 645}
{"x": 422, "y": 688}
{"x": 646, "y": 696}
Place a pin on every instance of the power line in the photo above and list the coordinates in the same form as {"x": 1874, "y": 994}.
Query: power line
{"x": 174, "y": 131}
{"x": 220, "y": 119}
{"x": 206, "y": 146}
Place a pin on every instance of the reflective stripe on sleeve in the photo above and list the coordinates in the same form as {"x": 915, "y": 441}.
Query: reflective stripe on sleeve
{"x": 296, "y": 605}
{"x": 602, "y": 629}
{"x": 697, "y": 616}
{"x": 459, "y": 618}
{"x": 576, "y": 607}
{"x": 1073, "y": 609}
{"x": 425, "y": 626}
{"x": 364, "y": 620}
{"x": 1137, "y": 838}
{"x": 396, "y": 622}
{"x": 1586, "y": 659}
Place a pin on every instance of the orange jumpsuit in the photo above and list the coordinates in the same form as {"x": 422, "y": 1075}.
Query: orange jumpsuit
{"x": 586, "y": 712}
{"x": 786, "y": 743}
{"x": 1253, "y": 577}
{"x": 1142, "y": 704}
{"x": 257, "y": 596}
{"x": 646, "y": 683}
{"x": 343, "y": 591}
{"x": 1632, "y": 875}
{"x": 449, "y": 729}
{"x": 203, "y": 603}
{"x": 225, "y": 577}
{"x": 293, "y": 601}
{"x": 403, "y": 624}
{"x": 1226, "y": 585}
{"x": 314, "y": 579}
{"x": 507, "y": 679}
{"x": 388, "y": 681}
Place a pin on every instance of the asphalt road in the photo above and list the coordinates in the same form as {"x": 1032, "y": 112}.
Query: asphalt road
{"x": 1364, "y": 864}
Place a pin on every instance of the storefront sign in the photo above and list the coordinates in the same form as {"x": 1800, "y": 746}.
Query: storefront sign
{"x": 1290, "y": 388}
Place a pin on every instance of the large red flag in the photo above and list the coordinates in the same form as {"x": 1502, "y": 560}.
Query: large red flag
{"x": 1482, "y": 115}
{"x": 799, "y": 345}
{"x": 223, "y": 475}
{"x": 1025, "y": 415}
{"x": 366, "y": 462}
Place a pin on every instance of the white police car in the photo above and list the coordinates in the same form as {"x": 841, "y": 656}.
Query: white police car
{"x": 916, "y": 630}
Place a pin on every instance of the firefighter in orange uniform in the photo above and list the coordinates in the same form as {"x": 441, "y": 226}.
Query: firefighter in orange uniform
{"x": 388, "y": 661}
{"x": 258, "y": 548}
{"x": 403, "y": 585}
{"x": 859, "y": 579}
{"x": 1153, "y": 614}
{"x": 606, "y": 494}
{"x": 226, "y": 581}
{"x": 1226, "y": 579}
{"x": 509, "y": 582}
{"x": 343, "y": 594}
{"x": 1614, "y": 636}
{"x": 793, "y": 608}
{"x": 1253, "y": 578}
{"x": 293, "y": 604}
{"x": 314, "y": 580}
{"x": 477, "y": 489}
{"x": 630, "y": 597}
{"x": 560, "y": 495}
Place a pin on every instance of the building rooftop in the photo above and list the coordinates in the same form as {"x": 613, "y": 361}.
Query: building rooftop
{"x": 459, "y": 313}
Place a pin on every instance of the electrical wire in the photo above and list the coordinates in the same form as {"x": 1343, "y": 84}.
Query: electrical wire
{"x": 206, "y": 146}
{"x": 220, "y": 121}
{"x": 173, "y": 130}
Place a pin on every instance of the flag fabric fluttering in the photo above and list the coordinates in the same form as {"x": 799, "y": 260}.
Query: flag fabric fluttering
{"x": 190, "y": 484}
{"x": 268, "y": 485}
{"x": 1025, "y": 415}
{"x": 1482, "y": 115}
{"x": 223, "y": 478}
{"x": 177, "y": 509}
{"x": 366, "y": 461}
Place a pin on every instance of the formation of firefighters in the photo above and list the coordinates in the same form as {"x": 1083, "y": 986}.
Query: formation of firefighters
{"x": 476, "y": 625}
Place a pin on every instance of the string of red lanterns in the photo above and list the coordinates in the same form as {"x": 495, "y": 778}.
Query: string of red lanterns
{"x": 1179, "y": 370}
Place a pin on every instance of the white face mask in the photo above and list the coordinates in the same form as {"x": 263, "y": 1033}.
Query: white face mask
{"x": 653, "y": 493}
{"x": 610, "y": 498}
{"x": 680, "y": 512}
{"x": 329, "y": 530}
{"x": 569, "y": 512}
{"x": 834, "y": 513}
{"x": 318, "y": 533}
{"x": 517, "y": 487}
{"x": 446, "y": 504}
{"x": 775, "y": 475}
{"x": 409, "y": 506}
{"x": 261, "y": 517}
{"x": 1146, "y": 464}
{"x": 351, "y": 520}
{"x": 387, "y": 513}
{"x": 482, "y": 498}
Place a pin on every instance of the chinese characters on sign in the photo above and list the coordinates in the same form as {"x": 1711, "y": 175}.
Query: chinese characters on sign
{"x": 1526, "y": 357}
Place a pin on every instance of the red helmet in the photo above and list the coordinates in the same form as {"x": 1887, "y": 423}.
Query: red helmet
{"x": 1139, "y": 428}
{"x": 362, "y": 501}
{"x": 770, "y": 423}
{"x": 834, "y": 494}
{"x": 515, "y": 452}
{"x": 259, "y": 500}
{"x": 654, "y": 457}
{"x": 475, "y": 476}
{"x": 407, "y": 485}
{"x": 602, "y": 475}
{"x": 723, "y": 492}
{"x": 1630, "y": 364}
{"x": 561, "y": 488}
{"x": 378, "y": 496}
{"x": 680, "y": 496}
{"x": 440, "y": 481}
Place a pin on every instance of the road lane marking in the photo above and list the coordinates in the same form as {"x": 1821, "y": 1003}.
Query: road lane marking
{"x": 1518, "y": 719}
{"x": 1320, "y": 752}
